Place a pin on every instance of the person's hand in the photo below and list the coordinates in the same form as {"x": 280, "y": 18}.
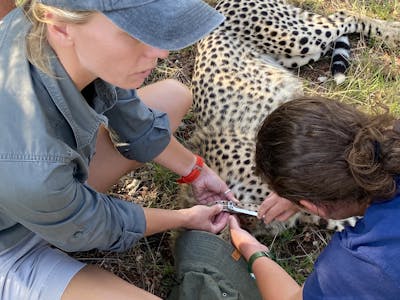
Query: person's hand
{"x": 209, "y": 187}
{"x": 277, "y": 208}
{"x": 243, "y": 240}
{"x": 207, "y": 218}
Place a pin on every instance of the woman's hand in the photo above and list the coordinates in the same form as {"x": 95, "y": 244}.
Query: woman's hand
{"x": 209, "y": 187}
{"x": 277, "y": 208}
{"x": 242, "y": 240}
{"x": 208, "y": 218}
{"x": 200, "y": 217}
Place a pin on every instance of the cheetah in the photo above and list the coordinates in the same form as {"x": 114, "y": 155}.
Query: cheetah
{"x": 242, "y": 73}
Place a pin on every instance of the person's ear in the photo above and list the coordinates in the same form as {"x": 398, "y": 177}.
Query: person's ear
{"x": 314, "y": 209}
{"x": 58, "y": 31}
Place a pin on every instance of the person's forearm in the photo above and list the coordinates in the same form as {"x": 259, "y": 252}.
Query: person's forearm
{"x": 158, "y": 220}
{"x": 176, "y": 158}
{"x": 274, "y": 282}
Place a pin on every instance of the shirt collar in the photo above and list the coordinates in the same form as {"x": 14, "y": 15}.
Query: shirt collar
{"x": 83, "y": 119}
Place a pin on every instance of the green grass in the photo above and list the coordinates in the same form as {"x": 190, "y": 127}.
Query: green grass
{"x": 373, "y": 81}
{"x": 296, "y": 249}
{"x": 384, "y": 9}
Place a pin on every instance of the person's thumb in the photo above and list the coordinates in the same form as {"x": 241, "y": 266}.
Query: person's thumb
{"x": 216, "y": 209}
{"x": 233, "y": 222}
{"x": 220, "y": 222}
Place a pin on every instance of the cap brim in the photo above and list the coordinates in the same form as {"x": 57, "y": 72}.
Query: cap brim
{"x": 181, "y": 23}
{"x": 204, "y": 252}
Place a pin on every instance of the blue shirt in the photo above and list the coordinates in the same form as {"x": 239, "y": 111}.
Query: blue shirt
{"x": 361, "y": 262}
{"x": 48, "y": 133}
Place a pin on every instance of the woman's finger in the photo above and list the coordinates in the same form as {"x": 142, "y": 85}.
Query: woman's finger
{"x": 219, "y": 222}
{"x": 229, "y": 195}
{"x": 266, "y": 205}
{"x": 234, "y": 222}
{"x": 286, "y": 215}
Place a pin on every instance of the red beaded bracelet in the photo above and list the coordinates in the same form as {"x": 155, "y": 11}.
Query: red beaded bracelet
{"x": 192, "y": 176}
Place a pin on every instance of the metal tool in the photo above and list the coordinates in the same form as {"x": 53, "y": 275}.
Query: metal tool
{"x": 234, "y": 209}
{"x": 230, "y": 207}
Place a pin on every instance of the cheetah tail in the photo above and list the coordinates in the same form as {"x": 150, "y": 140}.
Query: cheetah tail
{"x": 340, "y": 58}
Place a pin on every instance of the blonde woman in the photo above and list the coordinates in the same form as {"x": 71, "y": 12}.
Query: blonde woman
{"x": 70, "y": 73}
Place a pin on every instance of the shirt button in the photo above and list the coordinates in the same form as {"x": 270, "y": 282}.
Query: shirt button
{"x": 78, "y": 234}
{"x": 224, "y": 294}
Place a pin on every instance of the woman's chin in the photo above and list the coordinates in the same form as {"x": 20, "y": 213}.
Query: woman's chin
{"x": 129, "y": 85}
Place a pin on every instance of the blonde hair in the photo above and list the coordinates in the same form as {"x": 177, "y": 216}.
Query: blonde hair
{"x": 36, "y": 39}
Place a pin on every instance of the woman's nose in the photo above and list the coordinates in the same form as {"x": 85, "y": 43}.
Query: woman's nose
{"x": 157, "y": 53}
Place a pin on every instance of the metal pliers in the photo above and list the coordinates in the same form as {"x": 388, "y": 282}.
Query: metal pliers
{"x": 230, "y": 207}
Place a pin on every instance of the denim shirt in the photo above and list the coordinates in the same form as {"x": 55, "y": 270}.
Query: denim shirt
{"x": 48, "y": 133}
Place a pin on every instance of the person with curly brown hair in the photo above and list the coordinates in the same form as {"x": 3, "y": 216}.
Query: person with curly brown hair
{"x": 335, "y": 161}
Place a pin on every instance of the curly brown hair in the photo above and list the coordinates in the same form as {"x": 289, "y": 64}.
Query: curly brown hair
{"x": 326, "y": 151}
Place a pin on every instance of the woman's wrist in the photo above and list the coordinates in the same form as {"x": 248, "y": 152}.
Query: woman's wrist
{"x": 251, "y": 249}
{"x": 194, "y": 172}
{"x": 185, "y": 217}
{"x": 255, "y": 256}
{"x": 190, "y": 166}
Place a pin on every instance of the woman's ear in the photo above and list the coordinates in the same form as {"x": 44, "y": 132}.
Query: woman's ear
{"x": 58, "y": 31}
{"x": 314, "y": 209}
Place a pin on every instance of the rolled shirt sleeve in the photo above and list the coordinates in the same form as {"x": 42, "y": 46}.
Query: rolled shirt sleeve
{"x": 49, "y": 201}
{"x": 140, "y": 133}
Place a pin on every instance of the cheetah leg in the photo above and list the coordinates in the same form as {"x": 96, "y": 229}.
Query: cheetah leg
{"x": 341, "y": 23}
{"x": 386, "y": 31}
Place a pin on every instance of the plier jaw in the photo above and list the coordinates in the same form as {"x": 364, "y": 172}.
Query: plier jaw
{"x": 229, "y": 206}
